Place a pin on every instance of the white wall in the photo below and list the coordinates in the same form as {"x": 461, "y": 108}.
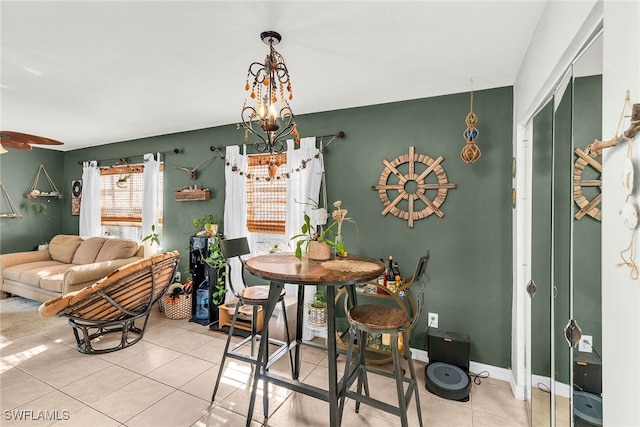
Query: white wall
{"x": 620, "y": 294}
{"x": 563, "y": 28}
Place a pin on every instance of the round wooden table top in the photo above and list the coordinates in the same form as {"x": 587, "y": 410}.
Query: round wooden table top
{"x": 285, "y": 267}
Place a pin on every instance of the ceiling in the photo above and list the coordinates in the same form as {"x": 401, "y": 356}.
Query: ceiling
{"x": 95, "y": 72}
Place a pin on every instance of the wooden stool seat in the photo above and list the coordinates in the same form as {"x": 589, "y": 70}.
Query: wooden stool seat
{"x": 256, "y": 295}
{"x": 378, "y": 317}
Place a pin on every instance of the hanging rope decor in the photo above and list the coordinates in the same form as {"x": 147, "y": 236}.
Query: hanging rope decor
{"x": 470, "y": 152}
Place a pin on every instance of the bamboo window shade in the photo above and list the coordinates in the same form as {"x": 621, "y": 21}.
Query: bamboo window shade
{"x": 121, "y": 195}
{"x": 266, "y": 199}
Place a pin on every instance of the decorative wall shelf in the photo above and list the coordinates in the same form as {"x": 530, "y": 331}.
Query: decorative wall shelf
{"x": 192, "y": 195}
{"x": 34, "y": 192}
{"x": 14, "y": 211}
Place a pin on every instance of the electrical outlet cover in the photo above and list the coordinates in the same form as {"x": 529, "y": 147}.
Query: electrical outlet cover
{"x": 432, "y": 320}
{"x": 586, "y": 344}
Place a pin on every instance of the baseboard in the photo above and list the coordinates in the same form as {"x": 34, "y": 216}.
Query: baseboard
{"x": 562, "y": 389}
{"x": 495, "y": 372}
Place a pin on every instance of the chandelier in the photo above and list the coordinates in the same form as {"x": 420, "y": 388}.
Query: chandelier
{"x": 269, "y": 117}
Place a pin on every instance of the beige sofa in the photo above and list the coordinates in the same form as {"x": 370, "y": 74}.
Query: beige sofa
{"x": 69, "y": 264}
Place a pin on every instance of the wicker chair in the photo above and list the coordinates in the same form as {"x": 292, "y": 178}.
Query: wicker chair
{"x": 118, "y": 303}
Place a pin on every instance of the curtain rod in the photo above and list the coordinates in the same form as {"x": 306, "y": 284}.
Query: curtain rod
{"x": 338, "y": 135}
{"x": 174, "y": 151}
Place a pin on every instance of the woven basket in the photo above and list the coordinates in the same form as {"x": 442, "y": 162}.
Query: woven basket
{"x": 180, "y": 310}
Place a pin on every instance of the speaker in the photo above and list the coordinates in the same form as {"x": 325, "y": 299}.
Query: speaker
{"x": 447, "y": 374}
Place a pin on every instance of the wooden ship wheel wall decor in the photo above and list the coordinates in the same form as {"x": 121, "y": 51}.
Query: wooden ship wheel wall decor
{"x": 412, "y": 187}
{"x": 587, "y": 207}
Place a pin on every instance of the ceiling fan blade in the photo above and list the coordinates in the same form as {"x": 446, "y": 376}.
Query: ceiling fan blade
{"x": 7, "y": 143}
{"x": 25, "y": 138}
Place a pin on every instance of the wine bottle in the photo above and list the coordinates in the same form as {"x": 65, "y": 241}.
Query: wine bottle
{"x": 396, "y": 270}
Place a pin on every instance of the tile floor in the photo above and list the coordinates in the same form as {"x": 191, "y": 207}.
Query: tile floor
{"x": 167, "y": 380}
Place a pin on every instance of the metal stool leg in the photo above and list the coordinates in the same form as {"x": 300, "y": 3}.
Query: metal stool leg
{"x": 224, "y": 354}
{"x": 286, "y": 333}
{"x": 407, "y": 352}
{"x": 402, "y": 403}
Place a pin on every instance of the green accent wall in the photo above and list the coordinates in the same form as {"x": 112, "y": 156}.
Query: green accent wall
{"x": 18, "y": 170}
{"x": 471, "y": 245}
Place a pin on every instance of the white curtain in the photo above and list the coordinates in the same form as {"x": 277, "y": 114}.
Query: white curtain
{"x": 235, "y": 205}
{"x": 90, "y": 204}
{"x": 150, "y": 207}
{"x": 303, "y": 191}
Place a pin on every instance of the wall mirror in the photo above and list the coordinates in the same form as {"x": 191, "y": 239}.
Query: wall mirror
{"x": 565, "y": 382}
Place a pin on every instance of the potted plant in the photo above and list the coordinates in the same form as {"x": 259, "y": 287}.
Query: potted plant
{"x": 318, "y": 309}
{"x": 218, "y": 262}
{"x": 151, "y": 242}
{"x": 318, "y": 244}
{"x": 206, "y": 226}
{"x": 40, "y": 210}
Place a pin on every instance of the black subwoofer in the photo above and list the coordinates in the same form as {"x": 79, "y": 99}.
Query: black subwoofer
{"x": 447, "y": 374}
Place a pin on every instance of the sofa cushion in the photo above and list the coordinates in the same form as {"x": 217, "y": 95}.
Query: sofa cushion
{"x": 116, "y": 249}
{"x": 88, "y": 250}
{"x": 34, "y": 276}
{"x": 56, "y": 305}
{"x": 63, "y": 247}
{"x": 15, "y": 271}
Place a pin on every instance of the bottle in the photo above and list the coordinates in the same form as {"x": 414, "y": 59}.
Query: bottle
{"x": 202, "y": 301}
{"x": 389, "y": 269}
{"x": 396, "y": 270}
{"x": 382, "y": 281}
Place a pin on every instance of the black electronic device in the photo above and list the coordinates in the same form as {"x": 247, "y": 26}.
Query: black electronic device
{"x": 447, "y": 374}
{"x": 587, "y": 382}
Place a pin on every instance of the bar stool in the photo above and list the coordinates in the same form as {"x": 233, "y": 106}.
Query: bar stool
{"x": 383, "y": 319}
{"x": 256, "y": 297}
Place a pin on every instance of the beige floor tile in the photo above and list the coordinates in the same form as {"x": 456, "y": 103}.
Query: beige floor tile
{"x": 485, "y": 419}
{"x": 161, "y": 333}
{"x": 211, "y": 350}
{"x": 87, "y": 416}
{"x": 131, "y": 399}
{"x": 69, "y": 366}
{"x": 176, "y": 366}
{"x": 180, "y": 371}
{"x": 176, "y": 409}
{"x": 18, "y": 388}
{"x": 149, "y": 359}
{"x": 97, "y": 385}
{"x": 42, "y": 411}
{"x": 497, "y": 399}
{"x": 221, "y": 417}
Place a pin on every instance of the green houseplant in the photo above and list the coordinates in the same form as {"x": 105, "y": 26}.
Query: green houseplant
{"x": 207, "y": 225}
{"x": 40, "y": 210}
{"x": 217, "y": 261}
{"x": 318, "y": 309}
{"x": 327, "y": 235}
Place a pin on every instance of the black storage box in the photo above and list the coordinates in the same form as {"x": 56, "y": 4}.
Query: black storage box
{"x": 447, "y": 374}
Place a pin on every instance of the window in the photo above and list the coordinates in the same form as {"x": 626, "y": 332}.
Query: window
{"x": 121, "y": 189}
{"x": 266, "y": 193}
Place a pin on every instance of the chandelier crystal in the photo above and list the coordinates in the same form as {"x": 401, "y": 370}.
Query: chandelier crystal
{"x": 268, "y": 114}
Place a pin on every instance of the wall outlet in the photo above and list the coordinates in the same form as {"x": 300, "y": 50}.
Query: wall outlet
{"x": 586, "y": 344}
{"x": 433, "y": 320}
